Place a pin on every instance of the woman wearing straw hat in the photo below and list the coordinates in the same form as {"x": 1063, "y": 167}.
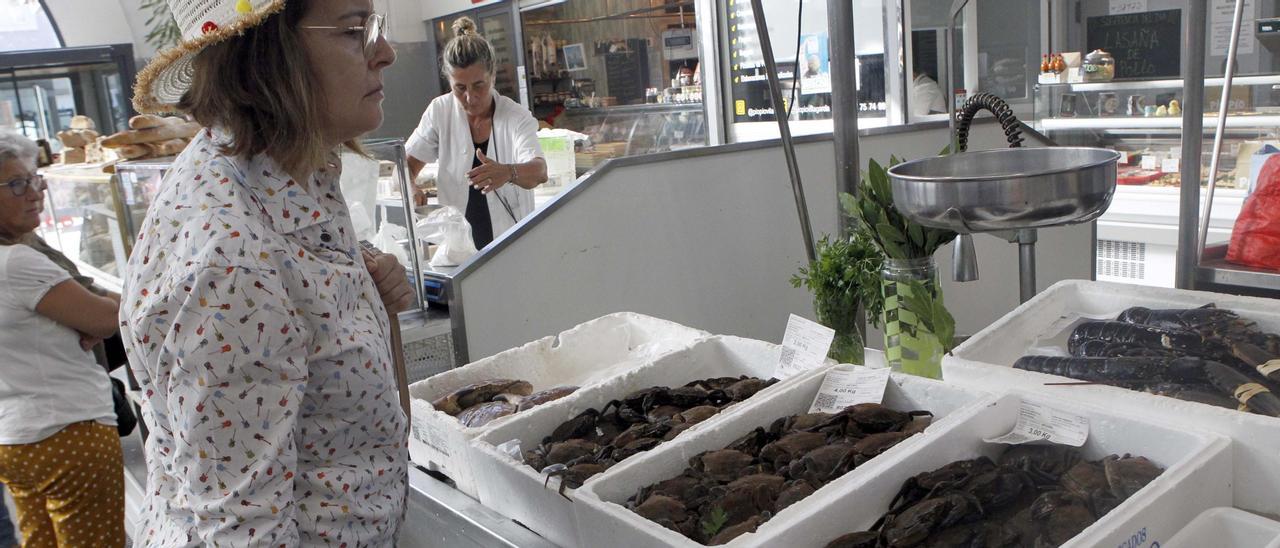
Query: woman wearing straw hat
{"x": 255, "y": 327}
{"x": 486, "y": 144}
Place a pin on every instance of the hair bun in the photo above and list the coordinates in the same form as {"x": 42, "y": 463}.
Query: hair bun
{"x": 464, "y": 26}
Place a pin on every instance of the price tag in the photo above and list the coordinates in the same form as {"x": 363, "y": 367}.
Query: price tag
{"x": 845, "y": 386}
{"x": 804, "y": 346}
{"x": 1169, "y": 165}
{"x": 1149, "y": 162}
{"x": 1038, "y": 422}
{"x": 1119, "y": 7}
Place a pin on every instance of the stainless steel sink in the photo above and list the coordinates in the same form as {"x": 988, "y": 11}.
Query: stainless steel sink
{"x": 1007, "y": 189}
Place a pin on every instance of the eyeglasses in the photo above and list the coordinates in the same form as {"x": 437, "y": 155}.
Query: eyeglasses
{"x": 374, "y": 27}
{"x": 19, "y": 186}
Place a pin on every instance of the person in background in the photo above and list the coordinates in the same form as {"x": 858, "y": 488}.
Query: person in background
{"x": 926, "y": 95}
{"x": 255, "y": 326}
{"x": 486, "y": 144}
{"x": 59, "y": 450}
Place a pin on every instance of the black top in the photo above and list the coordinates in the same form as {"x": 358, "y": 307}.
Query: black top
{"x": 478, "y": 207}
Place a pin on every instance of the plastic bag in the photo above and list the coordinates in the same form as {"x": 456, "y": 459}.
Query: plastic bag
{"x": 388, "y": 240}
{"x": 1255, "y": 241}
{"x": 448, "y": 228}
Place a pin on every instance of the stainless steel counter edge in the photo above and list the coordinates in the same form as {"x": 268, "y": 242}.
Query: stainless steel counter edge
{"x": 435, "y": 513}
{"x": 439, "y": 515}
{"x": 526, "y": 224}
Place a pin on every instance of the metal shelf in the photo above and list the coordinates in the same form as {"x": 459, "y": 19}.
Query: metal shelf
{"x": 1215, "y": 269}
{"x": 1173, "y": 83}
{"x": 1261, "y": 121}
{"x": 630, "y": 109}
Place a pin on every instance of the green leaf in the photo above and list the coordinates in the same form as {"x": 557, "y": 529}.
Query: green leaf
{"x": 714, "y": 522}
{"x": 917, "y": 235}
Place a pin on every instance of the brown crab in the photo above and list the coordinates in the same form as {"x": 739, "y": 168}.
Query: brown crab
{"x": 723, "y": 465}
{"x": 473, "y": 394}
{"x": 538, "y": 398}
{"x": 484, "y": 413}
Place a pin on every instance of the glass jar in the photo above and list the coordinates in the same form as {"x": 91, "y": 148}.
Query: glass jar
{"x": 909, "y": 346}
{"x": 1099, "y": 66}
{"x": 847, "y": 347}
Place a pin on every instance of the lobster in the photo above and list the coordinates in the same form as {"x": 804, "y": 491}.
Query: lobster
{"x": 1251, "y": 394}
{"x": 1131, "y": 372}
{"x": 1186, "y": 342}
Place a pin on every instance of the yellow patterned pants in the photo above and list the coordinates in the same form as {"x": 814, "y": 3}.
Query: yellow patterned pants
{"x": 68, "y": 488}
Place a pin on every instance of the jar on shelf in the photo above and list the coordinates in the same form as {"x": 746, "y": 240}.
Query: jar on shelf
{"x": 1099, "y": 66}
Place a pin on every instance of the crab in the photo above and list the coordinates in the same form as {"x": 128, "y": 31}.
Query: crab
{"x": 538, "y": 398}
{"x": 484, "y": 413}
{"x": 914, "y": 524}
{"x": 791, "y": 446}
{"x": 723, "y": 465}
{"x": 823, "y": 464}
{"x": 471, "y": 395}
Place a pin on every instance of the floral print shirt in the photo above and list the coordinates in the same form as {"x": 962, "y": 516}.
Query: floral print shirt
{"x": 260, "y": 343}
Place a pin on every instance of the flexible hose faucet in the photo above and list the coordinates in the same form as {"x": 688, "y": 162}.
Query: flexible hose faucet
{"x": 964, "y": 259}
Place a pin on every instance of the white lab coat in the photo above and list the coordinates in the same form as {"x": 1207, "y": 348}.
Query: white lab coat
{"x": 926, "y": 96}
{"x": 444, "y": 136}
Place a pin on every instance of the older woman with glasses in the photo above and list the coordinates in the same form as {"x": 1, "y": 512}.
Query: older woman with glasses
{"x": 255, "y": 326}
{"x": 59, "y": 450}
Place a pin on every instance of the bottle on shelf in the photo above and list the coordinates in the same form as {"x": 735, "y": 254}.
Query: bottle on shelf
{"x": 1059, "y": 65}
{"x": 1044, "y": 63}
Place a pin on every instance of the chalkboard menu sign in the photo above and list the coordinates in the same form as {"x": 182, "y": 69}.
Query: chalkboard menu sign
{"x": 628, "y": 72}
{"x": 1145, "y": 45}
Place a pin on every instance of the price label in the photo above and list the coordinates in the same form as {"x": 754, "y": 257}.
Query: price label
{"x": 804, "y": 346}
{"x": 845, "y": 386}
{"x": 1149, "y": 162}
{"x": 1038, "y": 422}
{"x": 1119, "y": 7}
{"x": 1169, "y": 165}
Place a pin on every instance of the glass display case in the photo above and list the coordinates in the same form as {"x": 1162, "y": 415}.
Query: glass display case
{"x": 87, "y": 220}
{"x": 633, "y": 130}
{"x": 1142, "y": 118}
{"x": 137, "y": 184}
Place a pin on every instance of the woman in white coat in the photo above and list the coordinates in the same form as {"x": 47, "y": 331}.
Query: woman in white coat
{"x": 486, "y": 144}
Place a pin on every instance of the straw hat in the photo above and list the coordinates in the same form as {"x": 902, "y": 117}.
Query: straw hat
{"x": 203, "y": 23}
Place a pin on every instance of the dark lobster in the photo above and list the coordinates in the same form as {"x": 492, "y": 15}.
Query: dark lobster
{"x": 1206, "y": 320}
{"x": 1129, "y": 371}
{"x": 1247, "y": 391}
{"x": 1128, "y": 334}
{"x": 1209, "y": 321}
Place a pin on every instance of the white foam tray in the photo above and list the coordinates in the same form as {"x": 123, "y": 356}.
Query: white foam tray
{"x": 588, "y": 354}
{"x": 1009, "y": 338}
{"x": 604, "y": 521}
{"x": 986, "y": 360}
{"x": 517, "y": 491}
{"x": 1197, "y": 476}
{"x": 1227, "y": 528}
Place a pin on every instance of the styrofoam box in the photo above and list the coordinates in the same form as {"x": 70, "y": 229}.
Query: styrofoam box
{"x": 590, "y": 353}
{"x": 604, "y": 521}
{"x": 1197, "y": 476}
{"x": 985, "y": 361}
{"x": 518, "y": 492}
{"x": 1227, "y": 528}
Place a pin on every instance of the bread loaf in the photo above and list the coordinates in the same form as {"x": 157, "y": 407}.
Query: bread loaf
{"x": 145, "y": 121}
{"x": 73, "y": 156}
{"x": 164, "y": 132}
{"x": 134, "y": 152}
{"x": 83, "y": 122}
{"x": 171, "y": 147}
